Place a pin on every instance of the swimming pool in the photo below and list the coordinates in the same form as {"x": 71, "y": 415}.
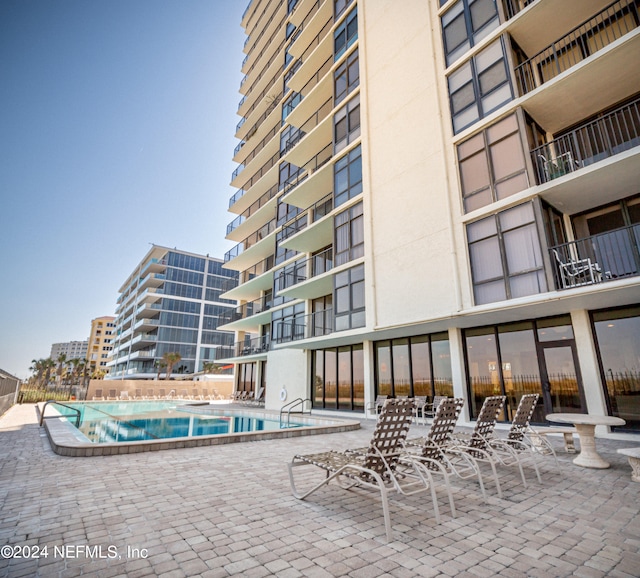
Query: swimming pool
{"x": 104, "y": 422}
{"x": 108, "y": 428}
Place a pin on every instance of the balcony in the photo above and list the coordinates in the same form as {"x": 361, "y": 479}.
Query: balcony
{"x": 155, "y": 266}
{"x": 148, "y": 310}
{"x": 143, "y": 354}
{"x": 318, "y": 210}
{"x": 315, "y": 283}
{"x": 315, "y": 324}
{"x": 597, "y": 259}
{"x": 513, "y": 7}
{"x": 250, "y": 241}
{"x": 604, "y": 137}
{"x": 256, "y": 346}
{"x": 583, "y": 41}
{"x": 247, "y": 316}
{"x": 245, "y": 222}
{"x": 146, "y": 324}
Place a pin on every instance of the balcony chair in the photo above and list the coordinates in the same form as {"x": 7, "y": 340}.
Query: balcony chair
{"x": 376, "y": 406}
{"x": 377, "y": 468}
{"x": 429, "y": 410}
{"x": 575, "y": 273}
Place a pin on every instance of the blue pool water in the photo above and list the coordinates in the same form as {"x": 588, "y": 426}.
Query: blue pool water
{"x": 104, "y": 422}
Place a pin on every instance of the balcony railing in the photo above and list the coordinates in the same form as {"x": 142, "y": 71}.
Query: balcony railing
{"x": 299, "y": 222}
{"x": 257, "y": 269}
{"x": 247, "y": 309}
{"x": 598, "y": 259}
{"x": 308, "y": 125}
{"x": 314, "y": 324}
{"x": 319, "y": 160}
{"x": 251, "y": 240}
{"x": 599, "y": 139}
{"x": 254, "y": 346}
{"x": 512, "y": 7}
{"x": 592, "y": 35}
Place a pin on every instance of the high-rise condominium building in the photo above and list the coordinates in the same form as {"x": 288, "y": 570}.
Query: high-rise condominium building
{"x": 171, "y": 304}
{"x": 440, "y": 197}
{"x": 71, "y": 349}
{"x": 100, "y": 344}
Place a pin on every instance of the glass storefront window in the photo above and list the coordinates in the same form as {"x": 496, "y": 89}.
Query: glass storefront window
{"x": 520, "y": 369}
{"x": 403, "y": 366}
{"x": 441, "y": 355}
{"x": 338, "y": 378}
{"x": 482, "y": 362}
{"x": 618, "y": 340}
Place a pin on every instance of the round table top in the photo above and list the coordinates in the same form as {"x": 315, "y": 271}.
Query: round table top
{"x": 585, "y": 419}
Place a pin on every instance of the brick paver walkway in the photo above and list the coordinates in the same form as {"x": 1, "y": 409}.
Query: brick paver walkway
{"x": 228, "y": 511}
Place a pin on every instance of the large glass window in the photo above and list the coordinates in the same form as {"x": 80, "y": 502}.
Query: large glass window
{"x": 348, "y": 176}
{"x": 515, "y": 359}
{"x": 479, "y": 86}
{"x": 340, "y": 6}
{"x": 465, "y": 24}
{"x": 346, "y": 124}
{"x": 346, "y": 33}
{"x": 246, "y": 376}
{"x": 618, "y": 343}
{"x": 346, "y": 77}
{"x": 419, "y": 365}
{"x": 349, "y": 299}
{"x": 505, "y": 255}
{"x": 492, "y": 164}
{"x": 338, "y": 378}
{"x": 349, "y": 234}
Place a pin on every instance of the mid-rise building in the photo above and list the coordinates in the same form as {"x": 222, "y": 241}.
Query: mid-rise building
{"x": 171, "y": 304}
{"x": 71, "y": 349}
{"x": 100, "y": 344}
{"x": 440, "y": 197}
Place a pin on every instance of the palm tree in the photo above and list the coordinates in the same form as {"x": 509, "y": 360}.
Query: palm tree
{"x": 62, "y": 359}
{"x": 170, "y": 358}
{"x": 38, "y": 368}
{"x": 48, "y": 365}
{"x": 160, "y": 365}
{"x": 211, "y": 367}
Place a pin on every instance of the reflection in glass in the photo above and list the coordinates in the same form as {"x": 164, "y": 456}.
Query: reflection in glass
{"x": 562, "y": 379}
{"x": 618, "y": 338}
{"x": 384, "y": 368}
{"x": 441, "y": 355}
{"x": 520, "y": 369}
{"x": 482, "y": 359}
{"x": 401, "y": 371}
{"x": 344, "y": 378}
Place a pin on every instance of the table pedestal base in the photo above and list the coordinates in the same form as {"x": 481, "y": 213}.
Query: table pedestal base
{"x": 589, "y": 457}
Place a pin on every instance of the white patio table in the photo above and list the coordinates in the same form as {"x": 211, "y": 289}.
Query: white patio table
{"x": 585, "y": 427}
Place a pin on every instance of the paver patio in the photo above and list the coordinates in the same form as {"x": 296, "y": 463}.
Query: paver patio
{"x": 228, "y": 511}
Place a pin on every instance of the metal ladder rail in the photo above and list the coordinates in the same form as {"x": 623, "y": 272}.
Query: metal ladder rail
{"x": 293, "y": 404}
{"x": 77, "y": 416}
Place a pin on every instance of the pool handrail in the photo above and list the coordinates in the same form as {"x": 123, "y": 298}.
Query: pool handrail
{"x": 44, "y": 407}
{"x": 292, "y": 404}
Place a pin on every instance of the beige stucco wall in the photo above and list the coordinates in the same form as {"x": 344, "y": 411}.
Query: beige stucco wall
{"x": 223, "y": 384}
{"x": 410, "y": 250}
{"x": 287, "y": 368}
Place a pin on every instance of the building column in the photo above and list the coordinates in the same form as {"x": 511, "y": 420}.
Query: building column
{"x": 369, "y": 374}
{"x": 456, "y": 346}
{"x": 588, "y": 360}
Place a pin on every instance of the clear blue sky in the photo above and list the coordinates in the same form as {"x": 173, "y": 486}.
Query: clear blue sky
{"x": 116, "y": 130}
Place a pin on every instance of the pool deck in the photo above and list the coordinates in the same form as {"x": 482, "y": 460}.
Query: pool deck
{"x": 227, "y": 510}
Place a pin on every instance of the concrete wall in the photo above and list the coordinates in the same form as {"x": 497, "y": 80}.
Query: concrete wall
{"x": 410, "y": 249}
{"x": 223, "y": 384}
